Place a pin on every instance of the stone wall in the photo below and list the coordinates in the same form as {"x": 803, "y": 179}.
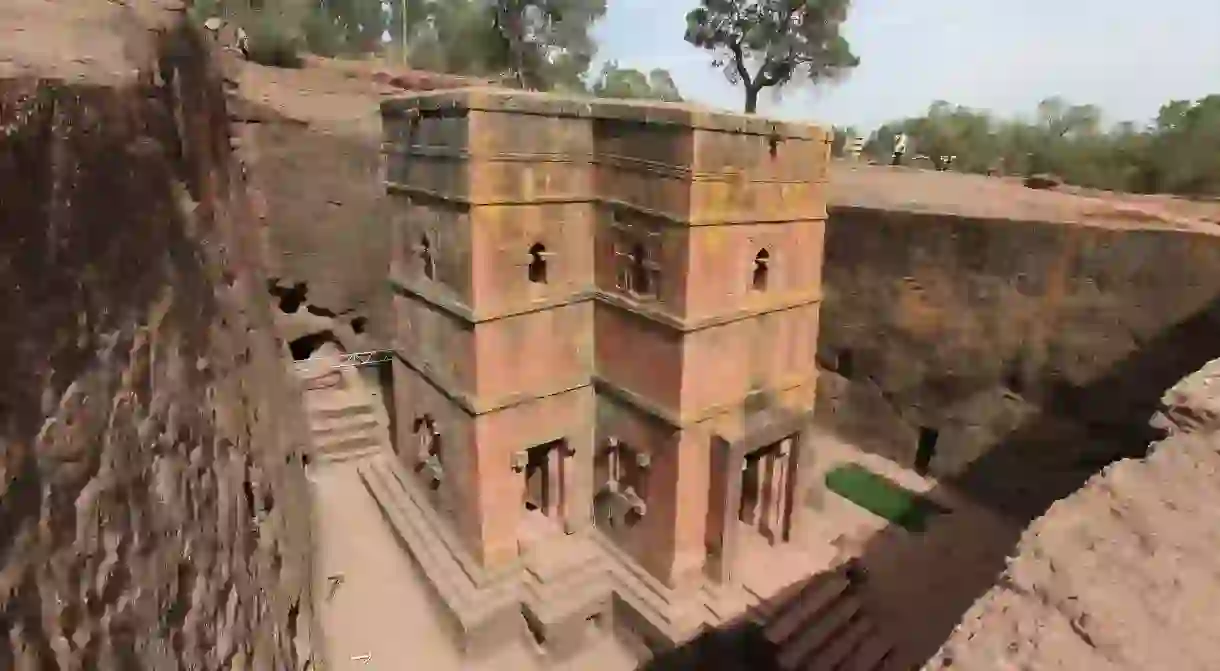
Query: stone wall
{"x": 1030, "y": 353}
{"x": 153, "y": 510}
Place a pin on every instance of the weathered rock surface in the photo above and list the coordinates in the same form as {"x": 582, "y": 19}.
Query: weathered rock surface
{"x": 312, "y": 139}
{"x": 153, "y": 510}
{"x": 1025, "y": 371}
{"x": 1124, "y": 574}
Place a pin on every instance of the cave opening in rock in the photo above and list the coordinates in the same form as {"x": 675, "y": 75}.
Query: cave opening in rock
{"x": 321, "y": 311}
{"x": 291, "y": 298}
{"x": 926, "y": 450}
{"x": 845, "y": 363}
{"x": 304, "y": 347}
{"x": 1013, "y": 379}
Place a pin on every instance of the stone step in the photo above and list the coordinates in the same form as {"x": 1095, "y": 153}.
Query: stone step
{"x": 559, "y": 556}
{"x": 656, "y": 590}
{"x": 321, "y": 426}
{"x": 590, "y": 568}
{"x": 346, "y": 442}
{"x": 770, "y": 607}
{"x": 414, "y": 536}
{"x": 639, "y": 588}
{"x": 554, "y": 602}
{"x": 841, "y": 647}
{"x": 675, "y": 625}
{"x": 817, "y": 633}
{"x": 475, "y": 602}
{"x": 439, "y": 528}
{"x": 326, "y": 404}
{"x": 349, "y": 455}
{"x": 726, "y": 603}
{"x": 332, "y": 379}
{"x": 870, "y": 656}
{"x": 811, "y": 602}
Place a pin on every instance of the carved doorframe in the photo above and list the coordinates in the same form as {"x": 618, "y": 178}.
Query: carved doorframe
{"x": 723, "y": 540}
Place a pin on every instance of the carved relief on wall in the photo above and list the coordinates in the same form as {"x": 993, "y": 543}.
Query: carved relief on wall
{"x": 428, "y": 460}
{"x": 621, "y": 484}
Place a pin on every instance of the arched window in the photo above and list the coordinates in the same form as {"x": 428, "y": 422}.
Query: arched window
{"x": 762, "y": 270}
{"x": 425, "y": 256}
{"x": 537, "y": 267}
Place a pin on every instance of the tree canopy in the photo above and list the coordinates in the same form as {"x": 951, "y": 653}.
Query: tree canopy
{"x": 1178, "y": 153}
{"x": 772, "y": 43}
{"x": 760, "y": 44}
{"x": 547, "y": 42}
{"x": 616, "y": 82}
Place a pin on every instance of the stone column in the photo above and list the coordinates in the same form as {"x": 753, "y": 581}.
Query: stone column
{"x": 578, "y": 485}
{"x": 553, "y": 488}
{"x": 725, "y": 486}
{"x": 771, "y": 502}
{"x": 783, "y": 481}
{"x": 752, "y": 476}
{"x": 801, "y": 483}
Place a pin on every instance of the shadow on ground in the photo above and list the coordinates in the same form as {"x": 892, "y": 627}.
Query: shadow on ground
{"x": 919, "y": 590}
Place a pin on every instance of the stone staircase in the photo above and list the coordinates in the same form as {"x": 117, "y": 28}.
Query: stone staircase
{"x": 665, "y": 618}
{"x": 822, "y": 625}
{"x": 569, "y": 583}
{"x": 344, "y": 421}
{"x": 573, "y": 579}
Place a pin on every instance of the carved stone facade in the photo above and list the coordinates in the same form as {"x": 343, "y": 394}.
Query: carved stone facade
{"x": 606, "y": 315}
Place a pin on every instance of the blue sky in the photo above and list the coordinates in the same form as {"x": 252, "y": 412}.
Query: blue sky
{"x": 1127, "y": 56}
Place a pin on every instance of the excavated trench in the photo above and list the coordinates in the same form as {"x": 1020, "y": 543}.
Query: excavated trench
{"x": 1010, "y": 379}
{"x": 153, "y": 505}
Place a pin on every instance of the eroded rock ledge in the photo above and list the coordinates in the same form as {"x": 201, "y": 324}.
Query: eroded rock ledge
{"x": 153, "y": 511}
{"x": 1124, "y": 574}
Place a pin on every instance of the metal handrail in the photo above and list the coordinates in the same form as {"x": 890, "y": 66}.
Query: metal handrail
{"x": 347, "y": 360}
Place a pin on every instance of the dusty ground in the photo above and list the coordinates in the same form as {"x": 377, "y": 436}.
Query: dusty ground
{"x": 910, "y": 189}
{"x": 381, "y": 609}
{"x": 78, "y": 40}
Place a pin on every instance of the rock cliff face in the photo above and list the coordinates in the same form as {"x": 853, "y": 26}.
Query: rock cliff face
{"x": 1011, "y": 358}
{"x": 313, "y": 138}
{"x": 153, "y": 511}
{"x": 1121, "y": 575}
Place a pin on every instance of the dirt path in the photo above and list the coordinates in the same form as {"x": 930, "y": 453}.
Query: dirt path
{"x": 378, "y": 609}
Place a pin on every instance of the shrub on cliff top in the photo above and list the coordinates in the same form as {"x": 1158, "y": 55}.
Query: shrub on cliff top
{"x": 273, "y": 43}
